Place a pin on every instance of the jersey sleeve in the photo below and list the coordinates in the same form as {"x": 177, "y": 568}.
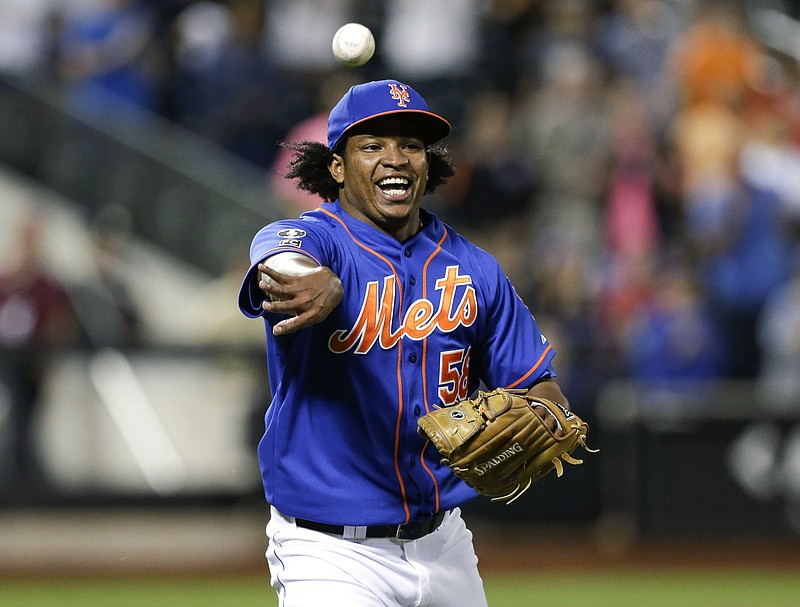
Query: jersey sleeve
{"x": 291, "y": 235}
{"x": 516, "y": 354}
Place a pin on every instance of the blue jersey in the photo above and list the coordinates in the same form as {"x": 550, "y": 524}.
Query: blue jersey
{"x": 421, "y": 323}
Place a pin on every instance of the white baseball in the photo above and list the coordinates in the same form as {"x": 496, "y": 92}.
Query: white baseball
{"x": 353, "y": 44}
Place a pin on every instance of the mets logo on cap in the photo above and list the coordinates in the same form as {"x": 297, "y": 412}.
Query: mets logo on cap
{"x": 369, "y": 100}
{"x": 400, "y": 93}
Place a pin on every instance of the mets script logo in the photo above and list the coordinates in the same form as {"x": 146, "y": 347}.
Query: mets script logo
{"x": 457, "y": 306}
{"x": 400, "y": 93}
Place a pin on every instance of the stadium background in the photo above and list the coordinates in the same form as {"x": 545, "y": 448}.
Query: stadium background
{"x": 633, "y": 164}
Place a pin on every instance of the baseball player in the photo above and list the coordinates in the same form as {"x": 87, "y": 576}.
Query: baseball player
{"x": 377, "y": 312}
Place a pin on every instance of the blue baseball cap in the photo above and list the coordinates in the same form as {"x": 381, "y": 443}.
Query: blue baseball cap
{"x": 383, "y": 98}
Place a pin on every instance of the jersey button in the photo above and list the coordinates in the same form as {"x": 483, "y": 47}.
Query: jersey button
{"x": 407, "y": 252}
{"x": 417, "y": 410}
{"x": 412, "y": 358}
{"x": 412, "y": 280}
{"x": 412, "y": 461}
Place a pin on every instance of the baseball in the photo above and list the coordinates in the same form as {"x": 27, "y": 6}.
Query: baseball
{"x": 353, "y": 44}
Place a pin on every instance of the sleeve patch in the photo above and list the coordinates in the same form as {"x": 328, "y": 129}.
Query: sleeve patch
{"x": 291, "y": 234}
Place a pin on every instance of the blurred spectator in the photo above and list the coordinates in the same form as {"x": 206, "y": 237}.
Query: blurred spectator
{"x": 550, "y": 28}
{"x": 561, "y": 130}
{"x": 560, "y": 287}
{"x": 109, "y": 314}
{"x": 436, "y": 45}
{"x": 770, "y": 156}
{"x": 708, "y": 138}
{"x": 632, "y": 222}
{"x": 739, "y": 235}
{"x": 634, "y": 41}
{"x": 716, "y": 60}
{"x": 561, "y": 127}
{"x": 228, "y": 90}
{"x": 36, "y": 319}
{"x": 298, "y": 33}
{"x": 313, "y": 128}
{"x": 105, "y": 55}
{"x": 713, "y": 65}
{"x": 668, "y": 192}
{"x": 493, "y": 185}
{"x": 429, "y": 39}
{"x": 24, "y": 37}
{"x": 673, "y": 338}
{"x": 194, "y": 39}
{"x": 631, "y": 230}
{"x": 503, "y": 24}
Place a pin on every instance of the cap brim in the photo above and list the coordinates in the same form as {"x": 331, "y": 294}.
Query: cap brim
{"x": 433, "y": 127}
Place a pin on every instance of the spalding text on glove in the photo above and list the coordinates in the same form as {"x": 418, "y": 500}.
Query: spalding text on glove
{"x": 498, "y": 442}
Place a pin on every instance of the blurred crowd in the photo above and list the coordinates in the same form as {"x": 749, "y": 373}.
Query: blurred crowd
{"x": 634, "y": 164}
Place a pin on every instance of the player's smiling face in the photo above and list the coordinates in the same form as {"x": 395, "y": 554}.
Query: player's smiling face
{"x": 383, "y": 174}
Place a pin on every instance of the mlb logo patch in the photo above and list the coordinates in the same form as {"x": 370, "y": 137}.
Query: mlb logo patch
{"x": 292, "y": 233}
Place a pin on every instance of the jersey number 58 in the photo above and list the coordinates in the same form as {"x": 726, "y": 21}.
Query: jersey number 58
{"x": 453, "y": 376}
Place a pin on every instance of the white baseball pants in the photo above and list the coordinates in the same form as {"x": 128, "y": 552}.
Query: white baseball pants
{"x": 313, "y": 569}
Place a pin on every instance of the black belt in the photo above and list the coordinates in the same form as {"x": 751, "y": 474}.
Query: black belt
{"x": 407, "y": 531}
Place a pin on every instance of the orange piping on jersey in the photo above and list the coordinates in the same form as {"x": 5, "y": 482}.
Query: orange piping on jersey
{"x": 425, "y": 340}
{"x": 536, "y": 366}
{"x": 376, "y": 254}
{"x": 425, "y": 366}
{"x": 425, "y": 446}
{"x": 398, "y": 425}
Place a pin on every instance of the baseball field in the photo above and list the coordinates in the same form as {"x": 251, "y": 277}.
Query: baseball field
{"x": 177, "y": 559}
{"x": 555, "y": 588}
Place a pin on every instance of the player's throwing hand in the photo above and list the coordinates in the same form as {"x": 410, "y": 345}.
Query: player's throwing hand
{"x": 308, "y": 293}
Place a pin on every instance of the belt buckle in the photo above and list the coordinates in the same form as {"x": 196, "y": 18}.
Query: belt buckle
{"x": 408, "y": 532}
{"x": 400, "y": 536}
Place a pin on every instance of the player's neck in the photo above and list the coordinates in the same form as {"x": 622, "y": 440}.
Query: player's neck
{"x": 411, "y": 229}
{"x": 399, "y": 229}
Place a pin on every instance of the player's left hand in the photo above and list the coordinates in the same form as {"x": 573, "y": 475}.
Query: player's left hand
{"x": 502, "y": 441}
{"x": 307, "y": 298}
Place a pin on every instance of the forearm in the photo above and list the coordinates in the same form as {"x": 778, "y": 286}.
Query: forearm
{"x": 550, "y": 390}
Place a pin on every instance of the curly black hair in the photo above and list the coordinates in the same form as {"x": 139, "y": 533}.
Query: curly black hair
{"x": 309, "y": 166}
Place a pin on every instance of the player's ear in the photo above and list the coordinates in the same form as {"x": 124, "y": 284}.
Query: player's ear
{"x": 336, "y": 168}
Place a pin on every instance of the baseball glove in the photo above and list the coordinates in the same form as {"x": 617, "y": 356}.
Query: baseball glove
{"x": 498, "y": 442}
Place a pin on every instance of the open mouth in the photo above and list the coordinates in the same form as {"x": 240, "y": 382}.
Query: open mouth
{"x": 394, "y": 186}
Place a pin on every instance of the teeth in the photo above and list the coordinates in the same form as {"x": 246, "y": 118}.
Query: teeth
{"x": 393, "y": 181}
{"x": 394, "y": 186}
